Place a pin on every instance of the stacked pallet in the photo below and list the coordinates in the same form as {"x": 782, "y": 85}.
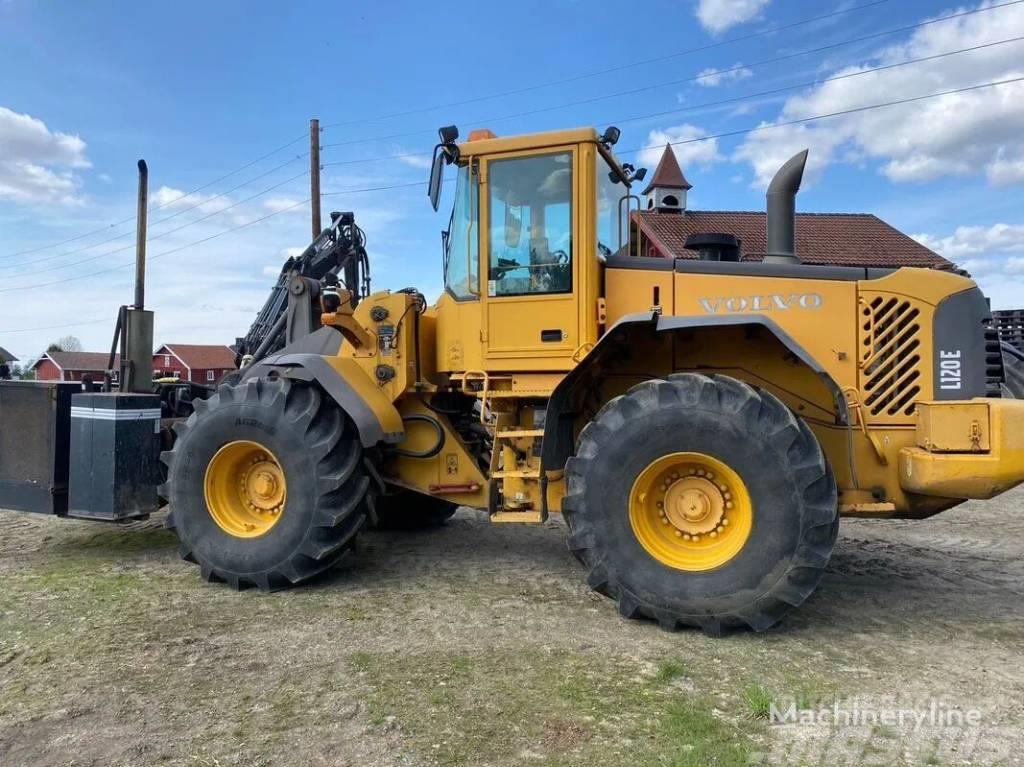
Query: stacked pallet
{"x": 1010, "y": 325}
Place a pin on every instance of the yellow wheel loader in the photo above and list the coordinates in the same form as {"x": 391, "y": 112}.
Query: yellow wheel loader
{"x": 701, "y": 424}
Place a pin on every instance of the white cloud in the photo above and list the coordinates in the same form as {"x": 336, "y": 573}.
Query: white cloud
{"x": 975, "y": 241}
{"x": 716, "y": 16}
{"x": 37, "y": 165}
{"x": 969, "y": 133}
{"x": 421, "y": 161}
{"x": 688, "y": 154}
{"x": 711, "y": 77}
{"x": 282, "y": 204}
{"x": 169, "y": 198}
{"x": 993, "y": 255}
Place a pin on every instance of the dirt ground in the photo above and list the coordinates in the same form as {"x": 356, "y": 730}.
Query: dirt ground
{"x": 478, "y": 644}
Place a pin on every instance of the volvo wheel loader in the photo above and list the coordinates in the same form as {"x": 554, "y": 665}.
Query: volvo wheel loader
{"x": 701, "y": 424}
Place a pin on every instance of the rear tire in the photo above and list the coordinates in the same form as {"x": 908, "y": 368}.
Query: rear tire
{"x": 408, "y": 510}
{"x": 1013, "y": 371}
{"x": 319, "y": 455}
{"x": 769, "y": 453}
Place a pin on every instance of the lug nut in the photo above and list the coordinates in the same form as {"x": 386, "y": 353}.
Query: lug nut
{"x": 679, "y": 533}
{"x": 725, "y": 522}
{"x": 713, "y": 533}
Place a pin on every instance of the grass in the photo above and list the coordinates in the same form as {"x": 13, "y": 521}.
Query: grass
{"x": 759, "y": 701}
{"x": 548, "y": 708}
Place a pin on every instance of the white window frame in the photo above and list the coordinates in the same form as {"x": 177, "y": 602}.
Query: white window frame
{"x": 211, "y": 376}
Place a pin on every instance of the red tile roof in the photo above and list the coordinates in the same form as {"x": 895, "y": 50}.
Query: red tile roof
{"x": 91, "y": 361}
{"x": 668, "y": 174}
{"x": 202, "y": 356}
{"x": 842, "y": 239}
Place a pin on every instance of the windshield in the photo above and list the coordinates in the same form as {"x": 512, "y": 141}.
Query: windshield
{"x": 612, "y": 212}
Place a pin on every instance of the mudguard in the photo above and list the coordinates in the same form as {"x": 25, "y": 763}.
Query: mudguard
{"x": 558, "y": 430}
{"x": 314, "y": 359}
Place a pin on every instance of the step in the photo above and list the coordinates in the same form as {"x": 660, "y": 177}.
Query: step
{"x": 519, "y": 433}
{"x": 530, "y": 517}
{"x": 516, "y": 474}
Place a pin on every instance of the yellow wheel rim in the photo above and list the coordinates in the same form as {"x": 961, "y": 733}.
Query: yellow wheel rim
{"x": 690, "y": 511}
{"x": 245, "y": 489}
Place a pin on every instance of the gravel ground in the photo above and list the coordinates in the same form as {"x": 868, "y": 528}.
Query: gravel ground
{"x": 479, "y": 644}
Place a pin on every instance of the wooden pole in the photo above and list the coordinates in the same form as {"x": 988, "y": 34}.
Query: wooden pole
{"x": 314, "y": 174}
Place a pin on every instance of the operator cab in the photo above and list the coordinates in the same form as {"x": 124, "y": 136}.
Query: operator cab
{"x": 533, "y": 219}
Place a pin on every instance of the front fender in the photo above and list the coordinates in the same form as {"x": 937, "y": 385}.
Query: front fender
{"x": 558, "y": 429}
{"x": 375, "y": 416}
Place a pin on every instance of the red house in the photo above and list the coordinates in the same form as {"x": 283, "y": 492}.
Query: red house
{"x": 71, "y": 366}
{"x": 198, "y": 363}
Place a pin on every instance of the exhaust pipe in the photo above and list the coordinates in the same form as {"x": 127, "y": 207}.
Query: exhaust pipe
{"x": 781, "y": 222}
{"x": 140, "y": 236}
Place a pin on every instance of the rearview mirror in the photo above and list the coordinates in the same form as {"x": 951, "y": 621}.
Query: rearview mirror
{"x": 436, "y": 175}
{"x": 513, "y": 226}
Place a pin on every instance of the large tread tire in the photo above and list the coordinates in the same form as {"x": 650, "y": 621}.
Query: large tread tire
{"x": 327, "y": 483}
{"x": 408, "y": 510}
{"x": 793, "y": 492}
{"x": 1013, "y": 371}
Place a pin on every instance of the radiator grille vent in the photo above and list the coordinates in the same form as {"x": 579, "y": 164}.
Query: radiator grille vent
{"x": 891, "y": 357}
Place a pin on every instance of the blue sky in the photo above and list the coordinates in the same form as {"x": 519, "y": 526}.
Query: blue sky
{"x": 200, "y": 89}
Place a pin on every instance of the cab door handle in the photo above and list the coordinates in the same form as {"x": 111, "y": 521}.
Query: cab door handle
{"x": 551, "y": 336}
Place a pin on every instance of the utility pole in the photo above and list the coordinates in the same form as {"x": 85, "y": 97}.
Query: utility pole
{"x": 314, "y": 174}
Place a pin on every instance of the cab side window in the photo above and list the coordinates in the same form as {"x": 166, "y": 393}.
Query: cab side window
{"x": 530, "y": 233}
{"x": 462, "y": 256}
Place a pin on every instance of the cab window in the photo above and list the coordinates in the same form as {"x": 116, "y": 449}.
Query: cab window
{"x": 612, "y": 211}
{"x": 530, "y": 234}
{"x": 462, "y": 255}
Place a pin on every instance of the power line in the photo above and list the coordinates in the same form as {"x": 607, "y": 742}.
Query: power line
{"x": 820, "y": 81}
{"x": 212, "y": 236}
{"x": 754, "y": 129}
{"x": 198, "y": 204}
{"x": 56, "y": 327}
{"x": 814, "y": 118}
{"x": 744, "y": 97}
{"x": 618, "y": 68}
{"x": 130, "y": 246}
{"x": 162, "y": 205}
{"x": 694, "y": 78}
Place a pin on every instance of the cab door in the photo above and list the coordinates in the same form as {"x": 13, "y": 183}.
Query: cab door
{"x": 529, "y": 238}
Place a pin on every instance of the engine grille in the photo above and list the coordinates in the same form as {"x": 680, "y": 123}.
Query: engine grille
{"x": 891, "y": 357}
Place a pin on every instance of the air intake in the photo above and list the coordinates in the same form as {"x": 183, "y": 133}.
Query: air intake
{"x": 714, "y": 246}
{"x": 891, "y": 357}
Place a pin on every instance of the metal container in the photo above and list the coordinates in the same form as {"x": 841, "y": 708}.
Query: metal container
{"x": 35, "y": 421}
{"x": 115, "y": 448}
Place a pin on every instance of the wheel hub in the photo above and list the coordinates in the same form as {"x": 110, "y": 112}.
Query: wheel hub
{"x": 245, "y": 489}
{"x": 694, "y": 504}
{"x": 690, "y": 511}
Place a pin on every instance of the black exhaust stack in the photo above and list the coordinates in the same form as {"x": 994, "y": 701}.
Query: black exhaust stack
{"x": 782, "y": 211}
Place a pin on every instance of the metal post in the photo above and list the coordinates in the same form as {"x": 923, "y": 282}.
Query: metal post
{"x": 314, "y": 174}
{"x": 140, "y": 237}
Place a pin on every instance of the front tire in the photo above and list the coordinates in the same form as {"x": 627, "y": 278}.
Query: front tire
{"x": 266, "y": 484}
{"x": 701, "y": 501}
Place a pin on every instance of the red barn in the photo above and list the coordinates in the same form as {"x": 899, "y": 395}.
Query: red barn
{"x": 198, "y": 363}
{"x": 71, "y": 366}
